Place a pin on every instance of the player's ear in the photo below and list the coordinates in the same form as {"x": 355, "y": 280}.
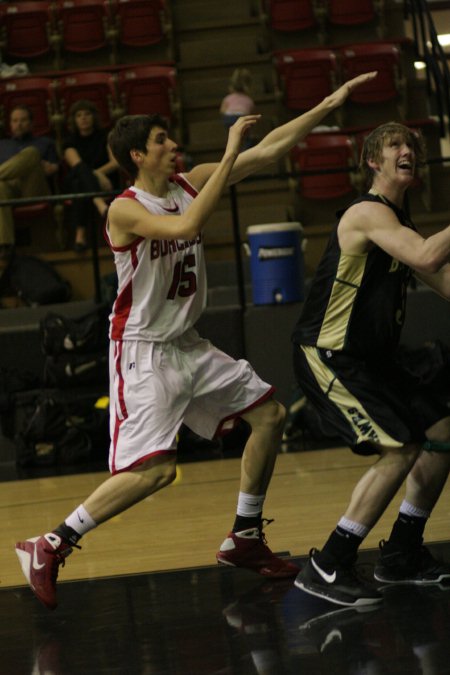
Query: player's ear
{"x": 373, "y": 164}
{"x": 136, "y": 156}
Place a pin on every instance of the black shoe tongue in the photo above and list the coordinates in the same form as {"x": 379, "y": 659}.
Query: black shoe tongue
{"x": 329, "y": 562}
{"x": 326, "y": 561}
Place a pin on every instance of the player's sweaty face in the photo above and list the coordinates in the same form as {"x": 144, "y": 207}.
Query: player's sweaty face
{"x": 398, "y": 158}
{"x": 161, "y": 150}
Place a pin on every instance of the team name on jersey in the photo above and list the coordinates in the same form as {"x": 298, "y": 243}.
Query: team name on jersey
{"x": 362, "y": 424}
{"x": 162, "y": 247}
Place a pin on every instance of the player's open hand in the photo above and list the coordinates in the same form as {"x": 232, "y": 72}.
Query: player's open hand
{"x": 338, "y": 97}
{"x": 239, "y": 129}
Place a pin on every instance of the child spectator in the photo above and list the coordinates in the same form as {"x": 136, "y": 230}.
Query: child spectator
{"x": 238, "y": 101}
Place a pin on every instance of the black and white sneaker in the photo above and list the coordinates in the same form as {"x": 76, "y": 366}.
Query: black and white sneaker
{"x": 416, "y": 566}
{"x": 335, "y": 582}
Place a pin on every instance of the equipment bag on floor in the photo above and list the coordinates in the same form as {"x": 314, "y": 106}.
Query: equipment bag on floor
{"x": 54, "y": 427}
{"x": 48, "y": 436}
{"x": 74, "y": 370}
{"x": 36, "y": 282}
{"x": 87, "y": 333}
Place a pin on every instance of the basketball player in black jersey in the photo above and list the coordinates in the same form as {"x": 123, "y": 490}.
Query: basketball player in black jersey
{"x": 345, "y": 345}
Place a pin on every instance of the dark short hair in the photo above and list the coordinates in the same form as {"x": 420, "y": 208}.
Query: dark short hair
{"x": 83, "y": 104}
{"x": 131, "y": 132}
{"x": 22, "y": 106}
{"x": 374, "y": 142}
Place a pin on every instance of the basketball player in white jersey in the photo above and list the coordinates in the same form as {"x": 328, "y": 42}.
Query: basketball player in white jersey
{"x": 162, "y": 374}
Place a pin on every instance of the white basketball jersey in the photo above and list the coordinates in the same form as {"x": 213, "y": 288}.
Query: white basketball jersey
{"x": 161, "y": 283}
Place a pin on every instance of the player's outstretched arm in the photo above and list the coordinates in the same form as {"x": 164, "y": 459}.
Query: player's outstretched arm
{"x": 338, "y": 97}
{"x": 128, "y": 217}
{"x": 204, "y": 204}
{"x": 278, "y": 142}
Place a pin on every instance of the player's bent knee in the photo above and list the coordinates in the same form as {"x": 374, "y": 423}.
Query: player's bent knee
{"x": 157, "y": 474}
{"x": 280, "y": 414}
{"x": 406, "y": 454}
{"x": 439, "y": 435}
{"x": 166, "y": 475}
{"x": 170, "y": 475}
{"x": 271, "y": 415}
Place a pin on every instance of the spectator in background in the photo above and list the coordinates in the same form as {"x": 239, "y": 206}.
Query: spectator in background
{"x": 91, "y": 166}
{"x": 26, "y": 163}
{"x": 238, "y": 101}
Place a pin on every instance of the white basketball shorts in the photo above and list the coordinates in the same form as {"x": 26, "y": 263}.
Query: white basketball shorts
{"x": 157, "y": 386}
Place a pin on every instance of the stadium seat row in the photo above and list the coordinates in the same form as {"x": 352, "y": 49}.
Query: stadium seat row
{"x": 32, "y": 29}
{"x": 296, "y": 15}
{"x": 115, "y": 92}
{"x": 306, "y": 76}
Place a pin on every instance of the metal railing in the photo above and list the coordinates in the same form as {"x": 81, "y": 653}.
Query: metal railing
{"x": 234, "y": 208}
{"x": 430, "y": 51}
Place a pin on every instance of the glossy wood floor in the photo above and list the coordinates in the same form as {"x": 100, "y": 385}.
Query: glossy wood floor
{"x": 145, "y": 596}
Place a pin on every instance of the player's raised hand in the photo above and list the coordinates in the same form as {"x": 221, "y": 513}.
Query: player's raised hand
{"x": 338, "y": 97}
{"x": 239, "y": 129}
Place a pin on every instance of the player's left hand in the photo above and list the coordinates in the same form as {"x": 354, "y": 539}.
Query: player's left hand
{"x": 338, "y": 97}
{"x": 239, "y": 129}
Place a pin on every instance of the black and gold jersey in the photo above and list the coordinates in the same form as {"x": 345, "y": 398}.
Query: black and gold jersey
{"x": 356, "y": 303}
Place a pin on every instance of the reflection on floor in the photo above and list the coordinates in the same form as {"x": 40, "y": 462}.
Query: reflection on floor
{"x": 221, "y": 621}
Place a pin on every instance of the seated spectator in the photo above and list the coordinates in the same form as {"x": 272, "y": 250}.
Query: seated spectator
{"x": 91, "y": 168}
{"x": 238, "y": 101}
{"x": 26, "y": 164}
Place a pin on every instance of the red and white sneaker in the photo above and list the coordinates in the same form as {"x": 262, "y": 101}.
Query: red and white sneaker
{"x": 249, "y": 549}
{"x": 40, "y": 559}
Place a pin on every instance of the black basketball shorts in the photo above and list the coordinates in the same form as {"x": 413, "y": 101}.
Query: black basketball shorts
{"x": 367, "y": 406}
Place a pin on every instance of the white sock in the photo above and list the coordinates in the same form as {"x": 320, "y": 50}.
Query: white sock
{"x": 250, "y": 506}
{"x": 352, "y": 527}
{"x": 410, "y": 510}
{"x": 80, "y": 521}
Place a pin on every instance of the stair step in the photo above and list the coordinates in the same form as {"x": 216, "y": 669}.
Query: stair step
{"x": 189, "y": 14}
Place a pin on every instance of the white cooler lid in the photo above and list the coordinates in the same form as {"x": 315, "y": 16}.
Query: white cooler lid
{"x": 274, "y": 227}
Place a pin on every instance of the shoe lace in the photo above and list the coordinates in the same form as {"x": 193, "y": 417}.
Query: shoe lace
{"x": 264, "y": 523}
{"x": 420, "y": 556}
{"x": 60, "y": 559}
{"x": 60, "y": 555}
{"x": 68, "y": 551}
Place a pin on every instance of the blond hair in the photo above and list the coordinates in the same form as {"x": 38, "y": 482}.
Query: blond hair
{"x": 375, "y": 141}
{"x": 241, "y": 81}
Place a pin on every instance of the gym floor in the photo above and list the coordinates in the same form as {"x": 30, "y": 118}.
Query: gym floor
{"x": 145, "y": 596}
{"x": 221, "y": 621}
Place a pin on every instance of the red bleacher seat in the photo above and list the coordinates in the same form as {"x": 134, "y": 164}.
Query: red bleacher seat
{"x": 351, "y": 12}
{"x": 291, "y": 15}
{"x": 381, "y": 56}
{"x": 147, "y": 89}
{"x": 25, "y": 214}
{"x": 139, "y": 22}
{"x": 305, "y": 76}
{"x": 83, "y": 24}
{"x": 27, "y": 29}
{"x": 320, "y": 151}
{"x": 37, "y": 93}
